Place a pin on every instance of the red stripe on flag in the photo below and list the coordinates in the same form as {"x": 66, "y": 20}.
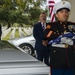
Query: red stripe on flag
{"x": 51, "y": 5}
{"x": 51, "y": 2}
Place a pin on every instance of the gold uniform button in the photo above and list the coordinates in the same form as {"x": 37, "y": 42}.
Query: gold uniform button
{"x": 54, "y": 32}
{"x": 64, "y": 27}
{"x": 60, "y": 22}
{"x": 54, "y": 51}
{"x": 57, "y": 30}
{"x": 65, "y": 31}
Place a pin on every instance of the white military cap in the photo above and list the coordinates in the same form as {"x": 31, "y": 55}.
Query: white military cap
{"x": 61, "y": 5}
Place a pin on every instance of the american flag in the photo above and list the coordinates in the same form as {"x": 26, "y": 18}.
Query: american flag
{"x": 51, "y": 4}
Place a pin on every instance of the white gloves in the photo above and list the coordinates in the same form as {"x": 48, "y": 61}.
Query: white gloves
{"x": 66, "y": 40}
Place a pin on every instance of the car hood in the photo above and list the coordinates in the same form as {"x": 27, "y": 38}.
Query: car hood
{"x": 20, "y": 40}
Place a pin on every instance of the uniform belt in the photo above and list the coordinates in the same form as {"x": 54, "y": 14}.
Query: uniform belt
{"x": 60, "y": 45}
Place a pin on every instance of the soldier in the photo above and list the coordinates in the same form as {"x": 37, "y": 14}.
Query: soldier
{"x": 62, "y": 55}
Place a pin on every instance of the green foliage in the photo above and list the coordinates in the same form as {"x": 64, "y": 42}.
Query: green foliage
{"x": 2, "y": 2}
{"x": 17, "y": 11}
{"x": 7, "y": 37}
{"x": 35, "y": 15}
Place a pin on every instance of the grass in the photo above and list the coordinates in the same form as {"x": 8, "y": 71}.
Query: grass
{"x": 24, "y": 32}
{"x": 7, "y": 36}
{"x": 17, "y": 33}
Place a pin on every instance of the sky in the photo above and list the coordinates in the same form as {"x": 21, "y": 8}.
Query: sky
{"x": 57, "y": 1}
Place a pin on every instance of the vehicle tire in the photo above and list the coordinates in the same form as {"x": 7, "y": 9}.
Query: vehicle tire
{"x": 27, "y": 48}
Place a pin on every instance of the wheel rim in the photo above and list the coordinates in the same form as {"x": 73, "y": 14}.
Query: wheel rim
{"x": 27, "y": 49}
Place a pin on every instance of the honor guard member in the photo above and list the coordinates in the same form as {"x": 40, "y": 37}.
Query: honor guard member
{"x": 62, "y": 55}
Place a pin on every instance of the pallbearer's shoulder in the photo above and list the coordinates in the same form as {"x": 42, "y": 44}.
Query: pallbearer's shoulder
{"x": 51, "y": 23}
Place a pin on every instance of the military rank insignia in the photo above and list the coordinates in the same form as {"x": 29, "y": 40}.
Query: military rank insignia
{"x": 49, "y": 34}
{"x": 48, "y": 27}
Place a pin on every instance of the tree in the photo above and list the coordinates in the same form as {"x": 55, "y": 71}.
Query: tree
{"x": 20, "y": 11}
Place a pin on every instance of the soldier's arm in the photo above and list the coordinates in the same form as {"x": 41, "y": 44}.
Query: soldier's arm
{"x": 49, "y": 33}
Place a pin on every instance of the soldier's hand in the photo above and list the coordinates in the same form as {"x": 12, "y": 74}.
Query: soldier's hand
{"x": 45, "y": 42}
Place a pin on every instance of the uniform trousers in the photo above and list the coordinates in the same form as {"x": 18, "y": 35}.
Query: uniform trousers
{"x": 62, "y": 71}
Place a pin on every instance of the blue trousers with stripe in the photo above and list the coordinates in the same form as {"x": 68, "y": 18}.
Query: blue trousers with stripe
{"x": 62, "y": 71}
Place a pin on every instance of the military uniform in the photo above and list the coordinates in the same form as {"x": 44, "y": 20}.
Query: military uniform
{"x": 60, "y": 57}
{"x": 62, "y": 49}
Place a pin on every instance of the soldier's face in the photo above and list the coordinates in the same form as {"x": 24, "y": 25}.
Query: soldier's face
{"x": 62, "y": 15}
